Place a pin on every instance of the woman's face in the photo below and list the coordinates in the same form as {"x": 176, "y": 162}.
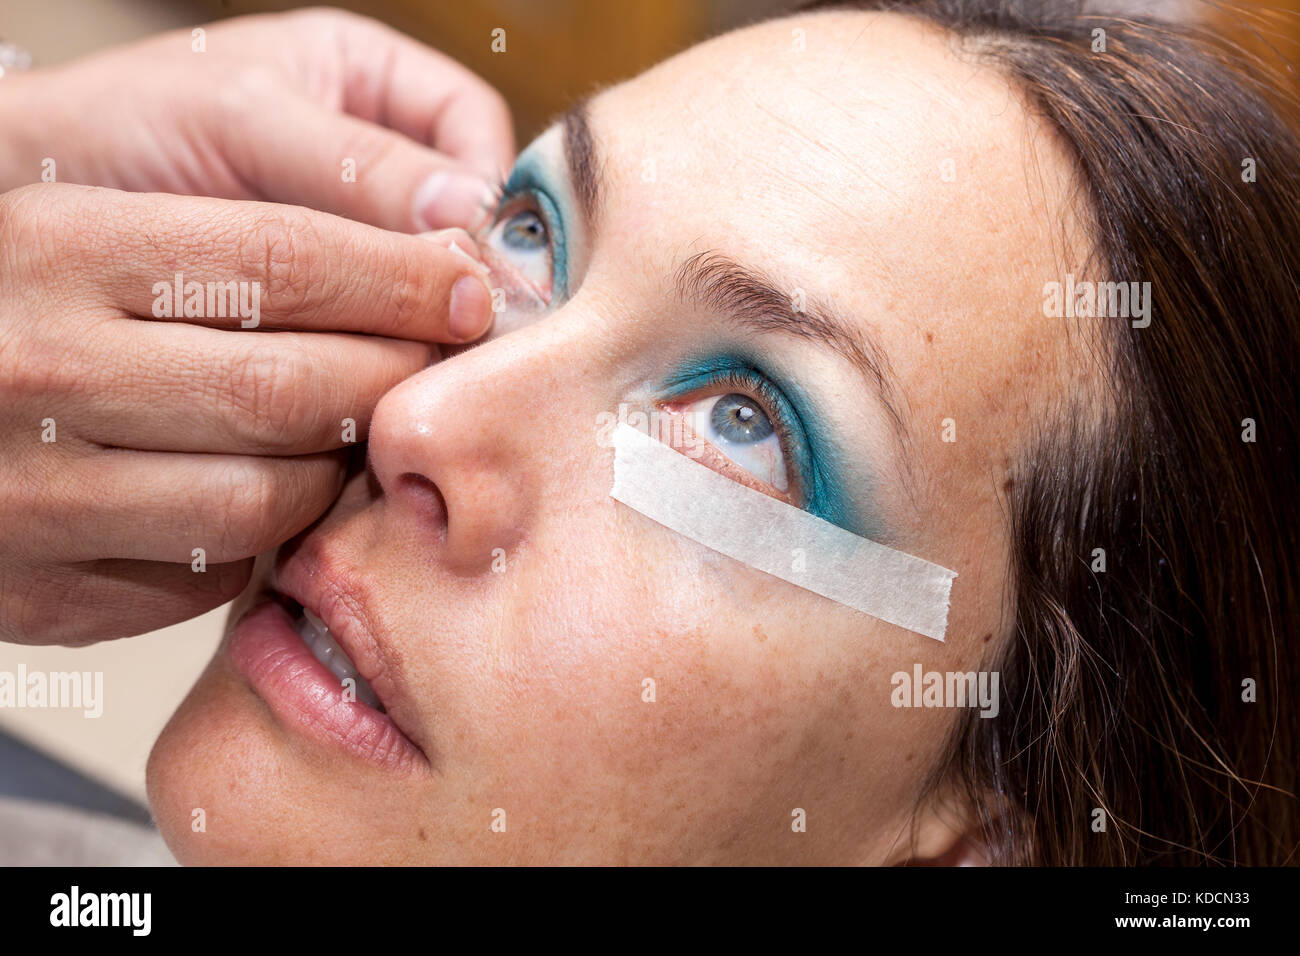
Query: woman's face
{"x": 567, "y": 681}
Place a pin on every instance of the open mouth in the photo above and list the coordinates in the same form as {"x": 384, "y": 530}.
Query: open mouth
{"x": 288, "y": 657}
{"x": 325, "y": 649}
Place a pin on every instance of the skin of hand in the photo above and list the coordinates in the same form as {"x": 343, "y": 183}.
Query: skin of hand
{"x": 319, "y": 108}
{"x": 148, "y": 459}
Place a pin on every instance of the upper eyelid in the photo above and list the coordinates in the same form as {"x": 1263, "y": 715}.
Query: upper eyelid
{"x": 500, "y": 199}
{"x": 496, "y": 196}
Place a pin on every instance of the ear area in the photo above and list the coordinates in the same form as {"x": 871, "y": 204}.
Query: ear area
{"x": 946, "y": 831}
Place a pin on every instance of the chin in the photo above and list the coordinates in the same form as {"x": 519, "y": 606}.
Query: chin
{"x": 208, "y": 779}
{"x": 269, "y": 798}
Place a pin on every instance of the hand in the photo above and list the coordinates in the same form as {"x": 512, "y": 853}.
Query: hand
{"x": 148, "y": 459}
{"x": 275, "y": 108}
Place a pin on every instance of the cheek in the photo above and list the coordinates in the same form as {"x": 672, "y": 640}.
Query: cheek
{"x": 670, "y": 693}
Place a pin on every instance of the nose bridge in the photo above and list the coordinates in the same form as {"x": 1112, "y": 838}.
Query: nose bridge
{"x": 463, "y": 448}
{"x": 512, "y": 388}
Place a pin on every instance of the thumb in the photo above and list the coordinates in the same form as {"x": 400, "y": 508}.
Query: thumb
{"x": 310, "y": 155}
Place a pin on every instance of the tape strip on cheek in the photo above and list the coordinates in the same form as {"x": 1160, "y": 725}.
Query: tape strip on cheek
{"x": 762, "y": 532}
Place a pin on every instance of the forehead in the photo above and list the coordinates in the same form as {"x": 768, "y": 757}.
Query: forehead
{"x": 856, "y": 130}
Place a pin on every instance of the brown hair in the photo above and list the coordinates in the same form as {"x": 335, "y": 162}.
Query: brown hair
{"x": 1123, "y": 691}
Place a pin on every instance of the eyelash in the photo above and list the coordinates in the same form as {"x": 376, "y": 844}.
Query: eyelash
{"x": 775, "y": 405}
{"x": 495, "y": 199}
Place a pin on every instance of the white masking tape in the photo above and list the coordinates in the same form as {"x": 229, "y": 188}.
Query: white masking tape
{"x": 764, "y": 533}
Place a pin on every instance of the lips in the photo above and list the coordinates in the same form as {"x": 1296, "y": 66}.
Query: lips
{"x": 307, "y": 648}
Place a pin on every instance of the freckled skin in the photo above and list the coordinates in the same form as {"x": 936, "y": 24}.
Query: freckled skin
{"x": 823, "y": 166}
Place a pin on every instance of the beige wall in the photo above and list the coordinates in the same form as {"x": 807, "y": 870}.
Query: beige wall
{"x": 54, "y": 31}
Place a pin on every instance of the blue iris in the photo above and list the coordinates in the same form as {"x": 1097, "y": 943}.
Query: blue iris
{"x": 740, "y": 419}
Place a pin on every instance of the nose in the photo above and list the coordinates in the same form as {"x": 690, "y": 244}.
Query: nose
{"x": 463, "y": 451}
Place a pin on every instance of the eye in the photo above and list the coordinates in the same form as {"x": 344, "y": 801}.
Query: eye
{"x": 524, "y": 232}
{"x": 740, "y": 428}
{"x": 523, "y": 239}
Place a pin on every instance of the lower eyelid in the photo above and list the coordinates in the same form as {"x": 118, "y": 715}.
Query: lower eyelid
{"x": 711, "y": 456}
{"x": 519, "y": 291}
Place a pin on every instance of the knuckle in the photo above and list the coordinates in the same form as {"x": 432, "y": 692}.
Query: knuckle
{"x": 251, "y": 85}
{"x": 265, "y": 504}
{"x": 286, "y": 250}
{"x": 248, "y": 503}
{"x": 269, "y": 397}
{"x": 32, "y": 218}
{"x": 373, "y": 148}
{"x": 31, "y": 608}
{"x": 407, "y": 294}
{"x": 47, "y": 380}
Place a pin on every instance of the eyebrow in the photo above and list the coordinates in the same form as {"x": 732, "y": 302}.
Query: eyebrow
{"x": 745, "y": 296}
{"x": 755, "y": 303}
{"x": 581, "y": 157}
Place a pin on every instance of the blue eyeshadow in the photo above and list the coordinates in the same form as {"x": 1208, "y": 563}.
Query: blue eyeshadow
{"x": 529, "y": 177}
{"x": 817, "y": 461}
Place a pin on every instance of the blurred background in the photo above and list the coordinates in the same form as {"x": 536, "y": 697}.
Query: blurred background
{"x": 557, "y": 50}
{"x": 72, "y": 788}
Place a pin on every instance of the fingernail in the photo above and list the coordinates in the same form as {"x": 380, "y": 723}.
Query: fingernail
{"x": 451, "y": 197}
{"x": 458, "y": 242}
{"x": 480, "y": 267}
{"x": 470, "y": 310}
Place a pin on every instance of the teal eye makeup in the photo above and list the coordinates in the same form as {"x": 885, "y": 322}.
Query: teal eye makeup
{"x": 752, "y": 407}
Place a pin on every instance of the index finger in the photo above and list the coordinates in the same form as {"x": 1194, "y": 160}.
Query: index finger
{"x": 392, "y": 79}
{"x": 236, "y": 264}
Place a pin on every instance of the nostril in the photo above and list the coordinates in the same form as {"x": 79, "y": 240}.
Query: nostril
{"x": 423, "y": 495}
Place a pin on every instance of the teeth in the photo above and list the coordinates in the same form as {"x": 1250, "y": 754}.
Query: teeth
{"x": 326, "y": 650}
{"x": 316, "y": 624}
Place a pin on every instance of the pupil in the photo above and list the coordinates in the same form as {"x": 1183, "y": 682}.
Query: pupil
{"x": 738, "y": 419}
{"x": 525, "y": 230}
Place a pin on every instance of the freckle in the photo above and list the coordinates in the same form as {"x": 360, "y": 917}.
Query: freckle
{"x": 848, "y": 735}
{"x": 988, "y": 637}
{"x": 929, "y": 337}
{"x": 909, "y": 757}
{"x": 422, "y": 835}
{"x": 758, "y": 633}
